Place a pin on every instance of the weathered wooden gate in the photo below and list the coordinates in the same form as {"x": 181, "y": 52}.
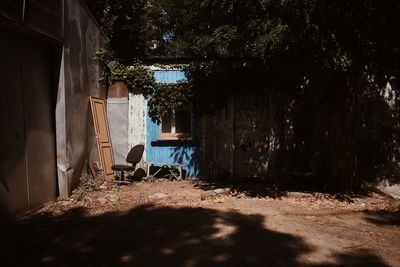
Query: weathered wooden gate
{"x": 237, "y": 139}
{"x": 252, "y": 135}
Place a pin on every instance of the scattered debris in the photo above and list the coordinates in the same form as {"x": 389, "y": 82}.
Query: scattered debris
{"x": 157, "y": 196}
{"x": 321, "y": 196}
{"x": 88, "y": 200}
{"x": 103, "y": 186}
{"x": 95, "y": 171}
{"x": 344, "y": 198}
{"x": 299, "y": 195}
{"x": 142, "y": 200}
{"x": 149, "y": 178}
{"x": 66, "y": 203}
{"x": 102, "y": 200}
{"x": 214, "y": 193}
{"x": 113, "y": 198}
{"x": 219, "y": 191}
{"x": 87, "y": 184}
{"x": 154, "y": 197}
{"x": 165, "y": 192}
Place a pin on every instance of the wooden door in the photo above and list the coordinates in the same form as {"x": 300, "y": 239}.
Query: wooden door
{"x": 103, "y": 139}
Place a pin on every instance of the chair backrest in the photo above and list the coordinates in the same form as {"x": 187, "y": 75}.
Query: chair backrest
{"x": 135, "y": 154}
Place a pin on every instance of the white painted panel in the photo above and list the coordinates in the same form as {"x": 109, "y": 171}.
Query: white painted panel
{"x": 137, "y": 121}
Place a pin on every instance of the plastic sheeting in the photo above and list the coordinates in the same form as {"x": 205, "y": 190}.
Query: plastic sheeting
{"x": 117, "y": 112}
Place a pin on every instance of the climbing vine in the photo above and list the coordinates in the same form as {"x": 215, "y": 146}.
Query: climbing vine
{"x": 137, "y": 77}
{"x": 207, "y": 86}
{"x": 162, "y": 98}
{"x": 168, "y": 98}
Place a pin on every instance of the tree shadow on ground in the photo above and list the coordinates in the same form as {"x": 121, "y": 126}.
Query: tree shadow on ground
{"x": 157, "y": 236}
{"x": 276, "y": 188}
{"x": 357, "y": 257}
{"x": 250, "y": 188}
{"x": 383, "y": 217}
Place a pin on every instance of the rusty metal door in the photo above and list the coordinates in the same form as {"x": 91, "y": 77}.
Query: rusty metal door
{"x": 103, "y": 139}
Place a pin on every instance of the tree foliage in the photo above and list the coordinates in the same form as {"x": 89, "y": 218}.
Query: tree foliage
{"x": 162, "y": 98}
{"x": 169, "y": 98}
{"x": 128, "y": 26}
{"x": 340, "y": 54}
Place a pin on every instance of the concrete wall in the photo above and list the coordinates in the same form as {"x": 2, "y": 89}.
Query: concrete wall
{"x": 79, "y": 79}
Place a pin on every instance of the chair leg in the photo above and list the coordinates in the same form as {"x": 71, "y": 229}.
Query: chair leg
{"x": 122, "y": 175}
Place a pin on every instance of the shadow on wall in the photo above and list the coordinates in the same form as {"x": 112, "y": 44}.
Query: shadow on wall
{"x": 307, "y": 135}
{"x": 158, "y": 236}
{"x": 188, "y": 156}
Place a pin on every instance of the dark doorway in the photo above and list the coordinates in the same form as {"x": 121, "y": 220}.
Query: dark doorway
{"x": 27, "y": 139}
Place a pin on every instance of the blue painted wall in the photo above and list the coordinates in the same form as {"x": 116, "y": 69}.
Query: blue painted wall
{"x": 174, "y": 151}
{"x": 169, "y": 76}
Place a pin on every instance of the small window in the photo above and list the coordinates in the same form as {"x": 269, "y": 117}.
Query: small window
{"x": 177, "y": 126}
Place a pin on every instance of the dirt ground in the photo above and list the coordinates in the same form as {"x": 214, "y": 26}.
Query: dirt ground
{"x": 166, "y": 223}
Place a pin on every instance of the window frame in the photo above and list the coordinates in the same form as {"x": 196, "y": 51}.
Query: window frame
{"x": 173, "y": 135}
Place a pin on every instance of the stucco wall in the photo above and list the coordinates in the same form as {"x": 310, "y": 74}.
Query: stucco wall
{"x": 80, "y": 72}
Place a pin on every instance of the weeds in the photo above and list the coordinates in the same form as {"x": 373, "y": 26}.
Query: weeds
{"x": 87, "y": 184}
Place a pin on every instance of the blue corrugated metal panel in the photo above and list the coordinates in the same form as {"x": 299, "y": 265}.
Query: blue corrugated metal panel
{"x": 174, "y": 151}
{"x": 169, "y": 76}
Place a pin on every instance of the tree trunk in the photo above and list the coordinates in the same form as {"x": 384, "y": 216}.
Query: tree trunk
{"x": 342, "y": 136}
